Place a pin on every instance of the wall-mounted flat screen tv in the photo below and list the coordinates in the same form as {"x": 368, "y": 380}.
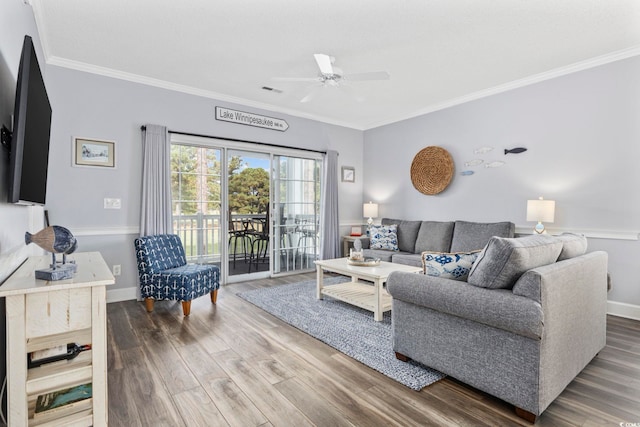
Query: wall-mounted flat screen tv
{"x": 29, "y": 149}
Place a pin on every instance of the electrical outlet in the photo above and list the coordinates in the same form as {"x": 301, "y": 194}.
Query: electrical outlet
{"x": 117, "y": 270}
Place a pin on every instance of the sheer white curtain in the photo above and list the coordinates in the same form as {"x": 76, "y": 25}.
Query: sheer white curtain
{"x": 330, "y": 242}
{"x": 155, "y": 212}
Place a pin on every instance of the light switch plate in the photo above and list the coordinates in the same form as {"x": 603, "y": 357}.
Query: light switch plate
{"x": 112, "y": 203}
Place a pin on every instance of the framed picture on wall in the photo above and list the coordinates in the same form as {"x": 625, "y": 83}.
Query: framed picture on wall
{"x": 94, "y": 152}
{"x": 348, "y": 174}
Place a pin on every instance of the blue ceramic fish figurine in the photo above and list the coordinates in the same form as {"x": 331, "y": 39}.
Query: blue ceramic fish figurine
{"x": 54, "y": 239}
{"x": 517, "y": 150}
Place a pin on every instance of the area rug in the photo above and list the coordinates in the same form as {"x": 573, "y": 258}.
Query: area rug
{"x": 349, "y": 329}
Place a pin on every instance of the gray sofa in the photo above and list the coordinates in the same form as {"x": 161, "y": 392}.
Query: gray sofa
{"x": 415, "y": 237}
{"x": 521, "y": 328}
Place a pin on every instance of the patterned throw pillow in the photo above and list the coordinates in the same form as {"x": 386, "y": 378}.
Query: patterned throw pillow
{"x": 454, "y": 266}
{"x": 384, "y": 237}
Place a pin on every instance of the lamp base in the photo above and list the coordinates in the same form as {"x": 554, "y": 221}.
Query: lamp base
{"x": 539, "y": 229}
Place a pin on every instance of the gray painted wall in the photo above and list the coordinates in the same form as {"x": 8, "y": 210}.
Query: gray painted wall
{"x": 583, "y": 138}
{"x": 93, "y": 106}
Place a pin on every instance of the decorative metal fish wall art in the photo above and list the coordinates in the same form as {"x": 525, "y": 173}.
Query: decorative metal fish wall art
{"x": 495, "y": 164}
{"x": 482, "y": 150}
{"x": 516, "y": 150}
{"x": 474, "y": 162}
{"x": 466, "y": 173}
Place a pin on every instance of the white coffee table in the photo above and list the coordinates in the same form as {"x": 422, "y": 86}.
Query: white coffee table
{"x": 370, "y": 297}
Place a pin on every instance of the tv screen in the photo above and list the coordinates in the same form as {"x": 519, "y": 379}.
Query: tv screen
{"x": 29, "y": 157}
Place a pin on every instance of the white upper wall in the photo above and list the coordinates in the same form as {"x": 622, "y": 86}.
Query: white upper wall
{"x": 582, "y": 134}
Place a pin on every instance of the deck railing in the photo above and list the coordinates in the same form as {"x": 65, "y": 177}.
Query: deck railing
{"x": 201, "y": 234}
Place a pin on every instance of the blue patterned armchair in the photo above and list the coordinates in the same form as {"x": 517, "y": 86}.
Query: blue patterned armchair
{"x": 165, "y": 275}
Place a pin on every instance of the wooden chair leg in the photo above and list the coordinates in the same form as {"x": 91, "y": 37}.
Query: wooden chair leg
{"x": 401, "y": 357}
{"x": 526, "y": 415}
{"x": 186, "y": 307}
{"x": 148, "y": 302}
{"x": 214, "y": 296}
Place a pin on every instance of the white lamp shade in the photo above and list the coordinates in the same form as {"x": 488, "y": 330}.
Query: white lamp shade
{"x": 541, "y": 210}
{"x": 370, "y": 210}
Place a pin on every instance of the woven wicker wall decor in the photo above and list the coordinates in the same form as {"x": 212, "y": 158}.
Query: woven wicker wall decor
{"x": 431, "y": 170}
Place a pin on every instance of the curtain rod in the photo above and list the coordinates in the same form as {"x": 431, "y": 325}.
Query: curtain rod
{"x": 241, "y": 140}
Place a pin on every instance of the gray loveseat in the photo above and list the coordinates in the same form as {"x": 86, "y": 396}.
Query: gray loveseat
{"x": 521, "y": 328}
{"x": 415, "y": 237}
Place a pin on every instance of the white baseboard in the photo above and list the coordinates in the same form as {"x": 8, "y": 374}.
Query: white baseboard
{"x": 125, "y": 294}
{"x": 622, "y": 309}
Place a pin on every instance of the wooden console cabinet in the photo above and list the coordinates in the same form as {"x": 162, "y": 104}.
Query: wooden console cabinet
{"x": 42, "y": 314}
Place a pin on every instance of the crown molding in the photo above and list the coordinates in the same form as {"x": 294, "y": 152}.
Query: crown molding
{"x": 516, "y": 84}
{"x": 135, "y": 78}
{"x": 107, "y": 72}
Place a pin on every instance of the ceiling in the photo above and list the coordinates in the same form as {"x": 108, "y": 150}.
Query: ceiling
{"x": 438, "y": 52}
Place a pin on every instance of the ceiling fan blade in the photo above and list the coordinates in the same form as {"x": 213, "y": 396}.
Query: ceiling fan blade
{"x": 314, "y": 92}
{"x": 371, "y": 75}
{"x": 294, "y": 79}
{"x": 324, "y": 63}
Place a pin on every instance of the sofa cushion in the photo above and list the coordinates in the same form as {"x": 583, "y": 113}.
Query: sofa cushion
{"x": 504, "y": 260}
{"x": 384, "y": 237}
{"x": 454, "y": 266}
{"x": 499, "y": 308}
{"x": 471, "y": 236}
{"x": 434, "y": 236}
{"x": 573, "y": 245}
{"x": 414, "y": 260}
{"x": 407, "y": 233}
{"x": 380, "y": 254}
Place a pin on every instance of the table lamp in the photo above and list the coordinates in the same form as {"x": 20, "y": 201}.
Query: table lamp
{"x": 541, "y": 211}
{"x": 370, "y": 210}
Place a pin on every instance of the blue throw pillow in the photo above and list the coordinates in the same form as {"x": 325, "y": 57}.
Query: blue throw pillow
{"x": 455, "y": 266}
{"x": 384, "y": 237}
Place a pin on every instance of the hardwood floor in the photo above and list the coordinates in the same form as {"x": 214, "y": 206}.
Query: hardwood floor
{"x": 235, "y": 365}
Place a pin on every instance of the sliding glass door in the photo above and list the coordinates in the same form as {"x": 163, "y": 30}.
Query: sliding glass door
{"x": 296, "y": 213}
{"x": 248, "y": 201}
{"x": 196, "y": 201}
{"x": 252, "y": 209}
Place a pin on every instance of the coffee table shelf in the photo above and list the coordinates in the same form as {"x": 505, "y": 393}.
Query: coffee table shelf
{"x": 359, "y": 294}
{"x": 372, "y": 297}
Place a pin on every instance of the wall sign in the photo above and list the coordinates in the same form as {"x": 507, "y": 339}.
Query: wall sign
{"x": 240, "y": 117}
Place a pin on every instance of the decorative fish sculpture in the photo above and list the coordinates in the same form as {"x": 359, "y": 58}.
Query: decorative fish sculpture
{"x": 55, "y": 239}
{"x": 495, "y": 164}
{"x": 516, "y": 150}
{"x": 466, "y": 173}
{"x": 482, "y": 150}
{"x": 474, "y": 162}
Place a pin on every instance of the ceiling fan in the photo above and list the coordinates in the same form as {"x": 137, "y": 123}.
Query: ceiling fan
{"x": 332, "y": 76}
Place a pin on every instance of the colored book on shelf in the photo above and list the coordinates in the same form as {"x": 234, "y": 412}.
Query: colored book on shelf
{"x": 70, "y": 399}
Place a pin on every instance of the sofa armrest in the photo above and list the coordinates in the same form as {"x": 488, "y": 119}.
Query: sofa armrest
{"x": 365, "y": 242}
{"x": 498, "y": 308}
{"x": 573, "y": 293}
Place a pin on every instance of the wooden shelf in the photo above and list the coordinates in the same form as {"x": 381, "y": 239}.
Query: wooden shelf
{"x": 60, "y": 374}
{"x": 359, "y": 294}
{"x": 43, "y": 314}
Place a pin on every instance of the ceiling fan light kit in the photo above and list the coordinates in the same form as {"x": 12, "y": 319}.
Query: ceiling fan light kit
{"x": 332, "y": 76}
